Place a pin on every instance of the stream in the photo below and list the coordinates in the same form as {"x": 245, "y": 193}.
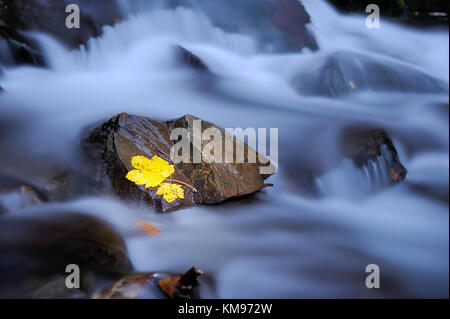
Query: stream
{"x": 278, "y": 243}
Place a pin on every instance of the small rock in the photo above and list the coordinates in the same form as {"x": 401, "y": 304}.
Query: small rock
{"x": 364, "y": 145}
{"x": 153, "y": 286}
{"x": 134, "y": 286}
{"x": 344, "y": 72}
{"x": 190, "y": 59}
{"x": 16, "y": 194}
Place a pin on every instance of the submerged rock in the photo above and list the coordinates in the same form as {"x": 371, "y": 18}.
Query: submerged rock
{"x": 153, "y": 285}
{"x": 291, "y": 18}
{"x": 352, "y": 162}
{"x": 189, "y": 59}
{"x": 417, "y": 12}
{"x": 16, "y": 194}
{"x": 18, "y": 50}
{"x": 53, "y": 287}
{"x": 343, "y": 73}
{"x": 367, "y": 145}
{"x": 49, "y": 17}
{"x": 113, "y": 144}
{"x": 35, "y": 247}
{"x": 134, "y": 286}
{"x": 277, "y": 24}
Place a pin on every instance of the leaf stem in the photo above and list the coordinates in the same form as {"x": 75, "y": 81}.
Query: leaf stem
{"x": 185, "y": 184}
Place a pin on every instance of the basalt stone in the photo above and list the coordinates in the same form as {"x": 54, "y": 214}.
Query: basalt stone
{"x": 365, "y": 145}
{"x": 217, "y": 182}
{"x": 114, "y": 143}
{"x": 40, "y": 245}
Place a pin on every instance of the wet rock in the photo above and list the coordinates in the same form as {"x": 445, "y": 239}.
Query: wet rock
{"x": 113, "y": 144}
{"x": 17, "y": 51}
{"x": 277, "y": 24}
{"x": 291, "y": 18}
{"x": 16, "y": 194}
{"x": 387, "y": 7}
{"x": 365, "y": 145}
{"x": 134, "y": 286}
{"x": 35, "y": 247}
{"x": 415, "y": 12}
{"x": 53, "y": 287}
{"x": 153, "y": 286}
{"x": 343, "y": 73}
{"x": 189, "y": 59}
{"x": 49, "y": 17}
{"x": 217, "y": 182}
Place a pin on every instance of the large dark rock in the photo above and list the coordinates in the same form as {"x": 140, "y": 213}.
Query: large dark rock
{"x": 36, "y": 247}
{"x": 344, "y": 72}
{"x": 113, "y": 144}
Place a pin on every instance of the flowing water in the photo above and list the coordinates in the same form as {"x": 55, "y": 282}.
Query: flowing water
{"x": 278, "y": 243}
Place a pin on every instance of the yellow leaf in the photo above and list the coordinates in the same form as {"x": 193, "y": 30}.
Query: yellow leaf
{"x": 150, "y": 173}
{"x": 171, "y": 192}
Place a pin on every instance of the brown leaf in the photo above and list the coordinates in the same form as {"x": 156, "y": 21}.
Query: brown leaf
{"x": 169, "y": 285}
{"x": 146, "y": 227}
{"x": 181, "y": 285}
{"x": 394, "y": 175}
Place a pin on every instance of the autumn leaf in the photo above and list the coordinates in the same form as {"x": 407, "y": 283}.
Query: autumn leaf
{"x": 171, "y": 192}
{"x": 150, "y": 173}
{"x": 169, "y": 285}
{"x": 145, "y": 227}
{"x": 394, "y": 175}
{"x": 181, "y": 286}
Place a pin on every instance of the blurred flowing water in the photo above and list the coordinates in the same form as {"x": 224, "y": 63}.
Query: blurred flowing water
{"x": 278, "y": 243}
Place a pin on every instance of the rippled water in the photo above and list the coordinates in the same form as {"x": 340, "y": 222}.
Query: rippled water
{"x": 278, "y": 243}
